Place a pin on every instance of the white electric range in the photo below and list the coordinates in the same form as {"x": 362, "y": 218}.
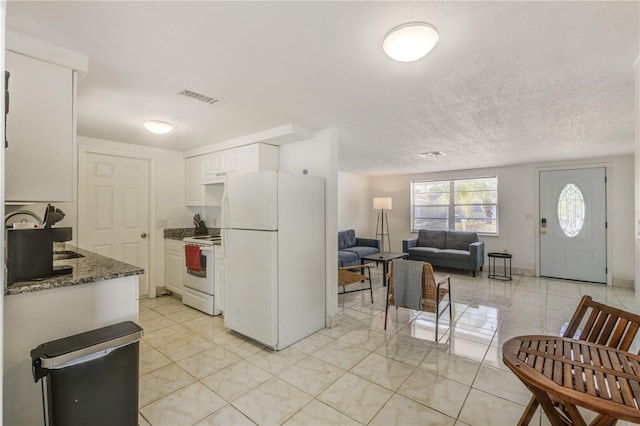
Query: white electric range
{"x": 199, "y": 284}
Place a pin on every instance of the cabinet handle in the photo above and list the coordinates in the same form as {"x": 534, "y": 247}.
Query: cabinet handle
{"x": 143, "y": 235}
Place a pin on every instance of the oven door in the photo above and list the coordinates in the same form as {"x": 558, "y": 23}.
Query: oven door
{"x": 201, "y": 280}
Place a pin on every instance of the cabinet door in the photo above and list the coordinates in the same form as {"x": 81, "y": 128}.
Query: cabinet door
{"x": 39, "y": 162}
{"x": 194, "y": 190}
{"x": 219, "y": 292}
{"x": 174, "y": 265}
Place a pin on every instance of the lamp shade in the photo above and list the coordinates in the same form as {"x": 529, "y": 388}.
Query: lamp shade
{"x": 382, "y": 203}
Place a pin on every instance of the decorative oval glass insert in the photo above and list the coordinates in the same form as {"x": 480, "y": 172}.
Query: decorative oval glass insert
{"x": 571, "y": 210}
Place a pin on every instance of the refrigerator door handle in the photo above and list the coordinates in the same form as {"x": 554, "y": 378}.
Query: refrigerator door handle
{"x": 222, "y": 219}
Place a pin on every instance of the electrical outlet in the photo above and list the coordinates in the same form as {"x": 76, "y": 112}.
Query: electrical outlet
{"x": 528, "y": 216}
{"x": 163, "y": 223}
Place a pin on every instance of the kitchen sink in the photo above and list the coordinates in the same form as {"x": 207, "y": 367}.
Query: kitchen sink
{"x": 66, "y": 254}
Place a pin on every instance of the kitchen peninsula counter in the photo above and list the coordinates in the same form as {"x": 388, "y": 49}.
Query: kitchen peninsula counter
{"x": 92, "y": 267}
{"x": 100, "y": 292}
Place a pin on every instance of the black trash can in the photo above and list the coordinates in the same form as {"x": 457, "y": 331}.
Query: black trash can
{"x": 91, "y": 378}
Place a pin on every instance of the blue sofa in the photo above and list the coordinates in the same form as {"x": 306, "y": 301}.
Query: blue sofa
{"x": 449, "y": 249}
{"x": 350, "y": 248}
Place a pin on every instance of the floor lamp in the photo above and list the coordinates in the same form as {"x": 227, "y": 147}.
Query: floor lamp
{"x": 382, "y": 224}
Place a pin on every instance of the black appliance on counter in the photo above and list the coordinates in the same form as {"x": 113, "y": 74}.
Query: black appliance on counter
{"x": 30, "y": 251}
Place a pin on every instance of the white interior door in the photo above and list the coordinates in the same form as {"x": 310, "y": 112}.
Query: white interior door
{"x": 573, "y": 224}
{"x": 114, "y": 210}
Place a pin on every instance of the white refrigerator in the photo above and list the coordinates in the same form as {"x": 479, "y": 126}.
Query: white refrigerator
{"x": 274, "y": 253}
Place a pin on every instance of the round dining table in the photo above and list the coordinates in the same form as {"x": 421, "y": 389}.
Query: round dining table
{"x": 569, "y": 373}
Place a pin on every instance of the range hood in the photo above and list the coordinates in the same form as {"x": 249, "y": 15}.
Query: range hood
{"x": 215, "y": 180}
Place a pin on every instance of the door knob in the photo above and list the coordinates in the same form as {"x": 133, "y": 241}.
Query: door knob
{"x": 143, "y": 235}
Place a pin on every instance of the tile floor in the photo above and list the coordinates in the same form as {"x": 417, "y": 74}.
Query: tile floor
{"x": 194, "y": 371}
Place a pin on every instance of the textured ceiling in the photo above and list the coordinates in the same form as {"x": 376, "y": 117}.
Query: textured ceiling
{"x": 508, "y": 82}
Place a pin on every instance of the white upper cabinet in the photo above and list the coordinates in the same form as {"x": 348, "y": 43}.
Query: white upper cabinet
{"x": 195, "y": 190}
{"x": 40, "y": 162}
{"x": 203, "y": 171}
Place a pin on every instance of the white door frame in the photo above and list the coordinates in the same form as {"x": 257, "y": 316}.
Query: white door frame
{"x": 536, "y": 201}
{"x": 83, "y": 150}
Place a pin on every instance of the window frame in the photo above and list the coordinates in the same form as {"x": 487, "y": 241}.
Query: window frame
{"x": 451, "y": 219}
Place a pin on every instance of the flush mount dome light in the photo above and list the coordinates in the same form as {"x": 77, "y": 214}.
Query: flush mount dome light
{"x": 158, "y": 127}
{"x": 410, "y": 42}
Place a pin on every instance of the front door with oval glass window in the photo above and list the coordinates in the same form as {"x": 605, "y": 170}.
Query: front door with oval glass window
{"x": 573, "y": 224}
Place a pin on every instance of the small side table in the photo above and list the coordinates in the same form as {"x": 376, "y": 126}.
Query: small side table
{"x": 504, "y": 257}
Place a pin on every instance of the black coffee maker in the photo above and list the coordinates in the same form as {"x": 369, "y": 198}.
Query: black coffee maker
{"x": 30, "y": 251}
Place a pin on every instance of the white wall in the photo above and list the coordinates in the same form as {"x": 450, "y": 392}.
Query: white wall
{"x": 517, "y": 199}
{"x": 319, "y": 156}
{"x": 170, "y": 209}
{"x": 354, "y": 204}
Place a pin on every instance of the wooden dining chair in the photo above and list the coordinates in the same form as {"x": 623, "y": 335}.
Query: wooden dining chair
{"x": 596, "y": 323}
{"x": 433, "y": 293}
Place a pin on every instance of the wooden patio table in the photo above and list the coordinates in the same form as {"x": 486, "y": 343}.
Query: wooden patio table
{"x": 576, "y": 373}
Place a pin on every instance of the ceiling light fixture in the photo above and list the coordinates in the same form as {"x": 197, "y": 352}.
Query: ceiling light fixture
{"x": 157, "y": 127}
{"x": 410, "y": 42}
{"x": 432, "y": 154}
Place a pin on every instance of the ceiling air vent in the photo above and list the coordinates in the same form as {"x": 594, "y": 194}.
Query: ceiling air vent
{"x": 198, "y": 96}
{"x": 432, "y": 154}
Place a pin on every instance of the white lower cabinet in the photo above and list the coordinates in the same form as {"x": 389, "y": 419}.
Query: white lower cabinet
{"x": 174, "y": 265}
{"x": 220, "y": 281}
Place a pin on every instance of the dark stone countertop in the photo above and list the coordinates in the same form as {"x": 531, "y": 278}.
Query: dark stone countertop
{"x": 181, "y": 233}
{"x": 90, "y": 268}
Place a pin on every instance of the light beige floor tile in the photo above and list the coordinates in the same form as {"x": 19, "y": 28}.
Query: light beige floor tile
{"x": 205, "y": 325}
{"x": 226, "y": 416}
{"x": 155, "y": 324}
{"x": 239, "y": 345}
{"x": 151, "y": 303}
{"x": 365, "y": 339}
{"x": 147, "y": 314}
{"x": 405, "y": 349}
{"x": 169, "y": 308}
{"x": 208, "y": 361}
{"x": 404, "y": 411}
{"x": 341, "y": 354}
{"x": 484, "y": 409}
{"x": 184, "y": 347}
{"x": 383, "y": 371}
{"x": 503, "y": 384}
{"x": 317, "y": 413}
{"x": 434, "y": 391}
{"x": 276, "y": 361}
{"x": 469, "y": 349}
{"x": 493, "y": 358}
{"x": 312, "y": 343}
{"x": 142, "y": 421}
{"x": 273, "y": 402}
{"x": 167, "y": 335}
{"x": 186, "y": 406}
{"x": 452, "y": 367}
{"x": 356, "y": 397}
{"x": 312, "y": 375}
{"x": 151, "y": 360}
{"x": 184, "y": 315}
{"x": 162, "y": 382}
{"x": 236, "y": 380}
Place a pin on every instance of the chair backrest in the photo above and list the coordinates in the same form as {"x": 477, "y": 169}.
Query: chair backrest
{"x": 428, "y": 283}
{"x": 602, "y": 324}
